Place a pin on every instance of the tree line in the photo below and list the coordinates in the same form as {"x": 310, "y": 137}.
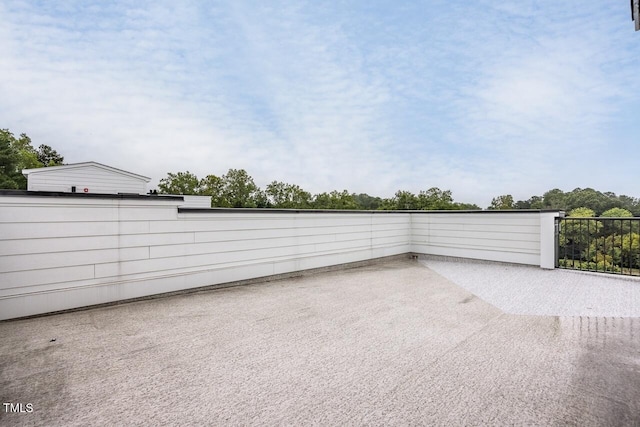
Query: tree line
{"x": 237, "y": 189}
{"x": 599, "y": 202}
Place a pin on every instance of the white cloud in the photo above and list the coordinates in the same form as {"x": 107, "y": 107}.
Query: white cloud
{"x": 482, "y": 99}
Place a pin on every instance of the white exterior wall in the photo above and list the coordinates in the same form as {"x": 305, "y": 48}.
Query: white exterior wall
{"x": 64, "y": 252}
{"x": 196, "y": 201}
{"x": 94, "y": 179}
{"x": 507, "y": 237}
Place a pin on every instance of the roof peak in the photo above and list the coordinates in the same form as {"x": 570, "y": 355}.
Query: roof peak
{"x": 26, "y": 172}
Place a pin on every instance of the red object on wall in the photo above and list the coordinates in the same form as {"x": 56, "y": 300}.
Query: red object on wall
{"x": 86, "y": 190}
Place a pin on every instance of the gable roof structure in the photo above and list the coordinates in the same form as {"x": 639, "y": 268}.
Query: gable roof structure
{"x": 49, "y": 169}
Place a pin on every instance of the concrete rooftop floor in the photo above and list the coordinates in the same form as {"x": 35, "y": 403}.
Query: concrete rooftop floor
{"x": 393, "y": 343}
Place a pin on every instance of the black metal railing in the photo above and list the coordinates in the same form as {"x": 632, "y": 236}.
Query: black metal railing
{"x": 607, "y": 245}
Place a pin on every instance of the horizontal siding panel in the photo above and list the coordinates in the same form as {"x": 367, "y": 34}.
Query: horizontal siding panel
{"x": 61, "y": 244}
{"x": 87, "y": 213}
{"x": 390, "y": 240}
{"x": 157, "y": 239}
{"x": 514, "y": 257}
{"x": 240, "y": 245}
{"x": 485, "y": 235}
{"x": 137, "y": 269}
{"x": 219, "y": 258}
{"x": 58, "y": 213}
{"x": 477, "y": 248}
{"x": 209, "y": 260}
{"x": 258, "y": 244}
{"x": 257, "y": 223}
{"x": 478, "y": 227}
{"x": 267, "y": 233}
{"x": 20, "y": 279}
{"x": 490, "y": 244}
{"x": 95, "y": 179}
{"x": 68, "y": 259}
{"x": 45, "y": 230}
{"x": 74, "y": 244}
{"x": 514, "y": 219}
{"x": 155, "y": 213}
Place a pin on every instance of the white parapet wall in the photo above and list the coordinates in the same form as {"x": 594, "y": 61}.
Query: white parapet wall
{"x": 488, "y": 235}
{"x": 60, "y": 252}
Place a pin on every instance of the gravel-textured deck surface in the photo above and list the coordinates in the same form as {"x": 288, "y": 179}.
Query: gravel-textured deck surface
{"x": 521, "y": 289}
{"x": 390, "y": 344}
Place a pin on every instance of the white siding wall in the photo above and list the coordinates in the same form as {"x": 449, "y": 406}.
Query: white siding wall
{"x": 58, "y": 253}
{"x": 95, "y": 179}
{"x": 508, "y": 237}
{"x": 64, "y": 252}
{"x": 196, "y": 201}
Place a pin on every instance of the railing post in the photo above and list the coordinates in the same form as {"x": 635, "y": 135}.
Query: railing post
{"x": 556, "y": 243}
{"x": 548, "y": 238}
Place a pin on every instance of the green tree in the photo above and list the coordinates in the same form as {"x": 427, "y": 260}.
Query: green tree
{"x": 616, "y": 213}
{"x": 615, "y": 246}
{"x": 239, "y": 190}
{"x": 435, "y": 199}
{"x": 467, "y": 207}
{"x": 27, "y": 154}
{"x": 48, "y": 156}
{"x": 287, "y": 196}
{"x": 334, "y": 200}
{"x": 10, "y": 175}
{"x": 590, "y": 198}
{"x": 630, "y": 203}
{"x": 367, "y": 202}
{"x": 180, "y": 183}
{"x": 581, "y": 212}
{"x": 534, "y": 202}
{"x": 402, "y": 200}
{"x": 554, "y": 199}
{"x": 18, "y": 154}
{"x": 213, "y": 186}
{"x": 576, "y": 236}
{"x": 502, "y": 202}
{"x": 615, "y": 226}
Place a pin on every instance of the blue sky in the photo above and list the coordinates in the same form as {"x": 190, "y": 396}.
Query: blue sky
{"x": 483, "y": 98}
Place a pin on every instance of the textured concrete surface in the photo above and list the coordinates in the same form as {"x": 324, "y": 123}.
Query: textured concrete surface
{"x": 522, "y": 289}
{"x": 390, "y": 344}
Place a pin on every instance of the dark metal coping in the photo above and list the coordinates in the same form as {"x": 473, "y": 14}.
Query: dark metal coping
{"x": 252, "y": 210}
{"x": 90, "y": 195}
{"x": 269, "y": 210}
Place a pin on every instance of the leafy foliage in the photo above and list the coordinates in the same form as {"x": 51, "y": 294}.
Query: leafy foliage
{"x": 47, "y": 156}
{"x": 180, "y": 183}
{"x": 502, "y": 202}
{"x": 611, "y": 244}
{"x": 17, "y": 154}
{"x": 598, "y": 201}
{"x": 9, "y": 164}
{"x": 431, "y": 199}
{"x": 616, "y": 213}
{"x": 334, "y": 200}
{"x": 287, "y": 196}
{"x": 239, "y": 190}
